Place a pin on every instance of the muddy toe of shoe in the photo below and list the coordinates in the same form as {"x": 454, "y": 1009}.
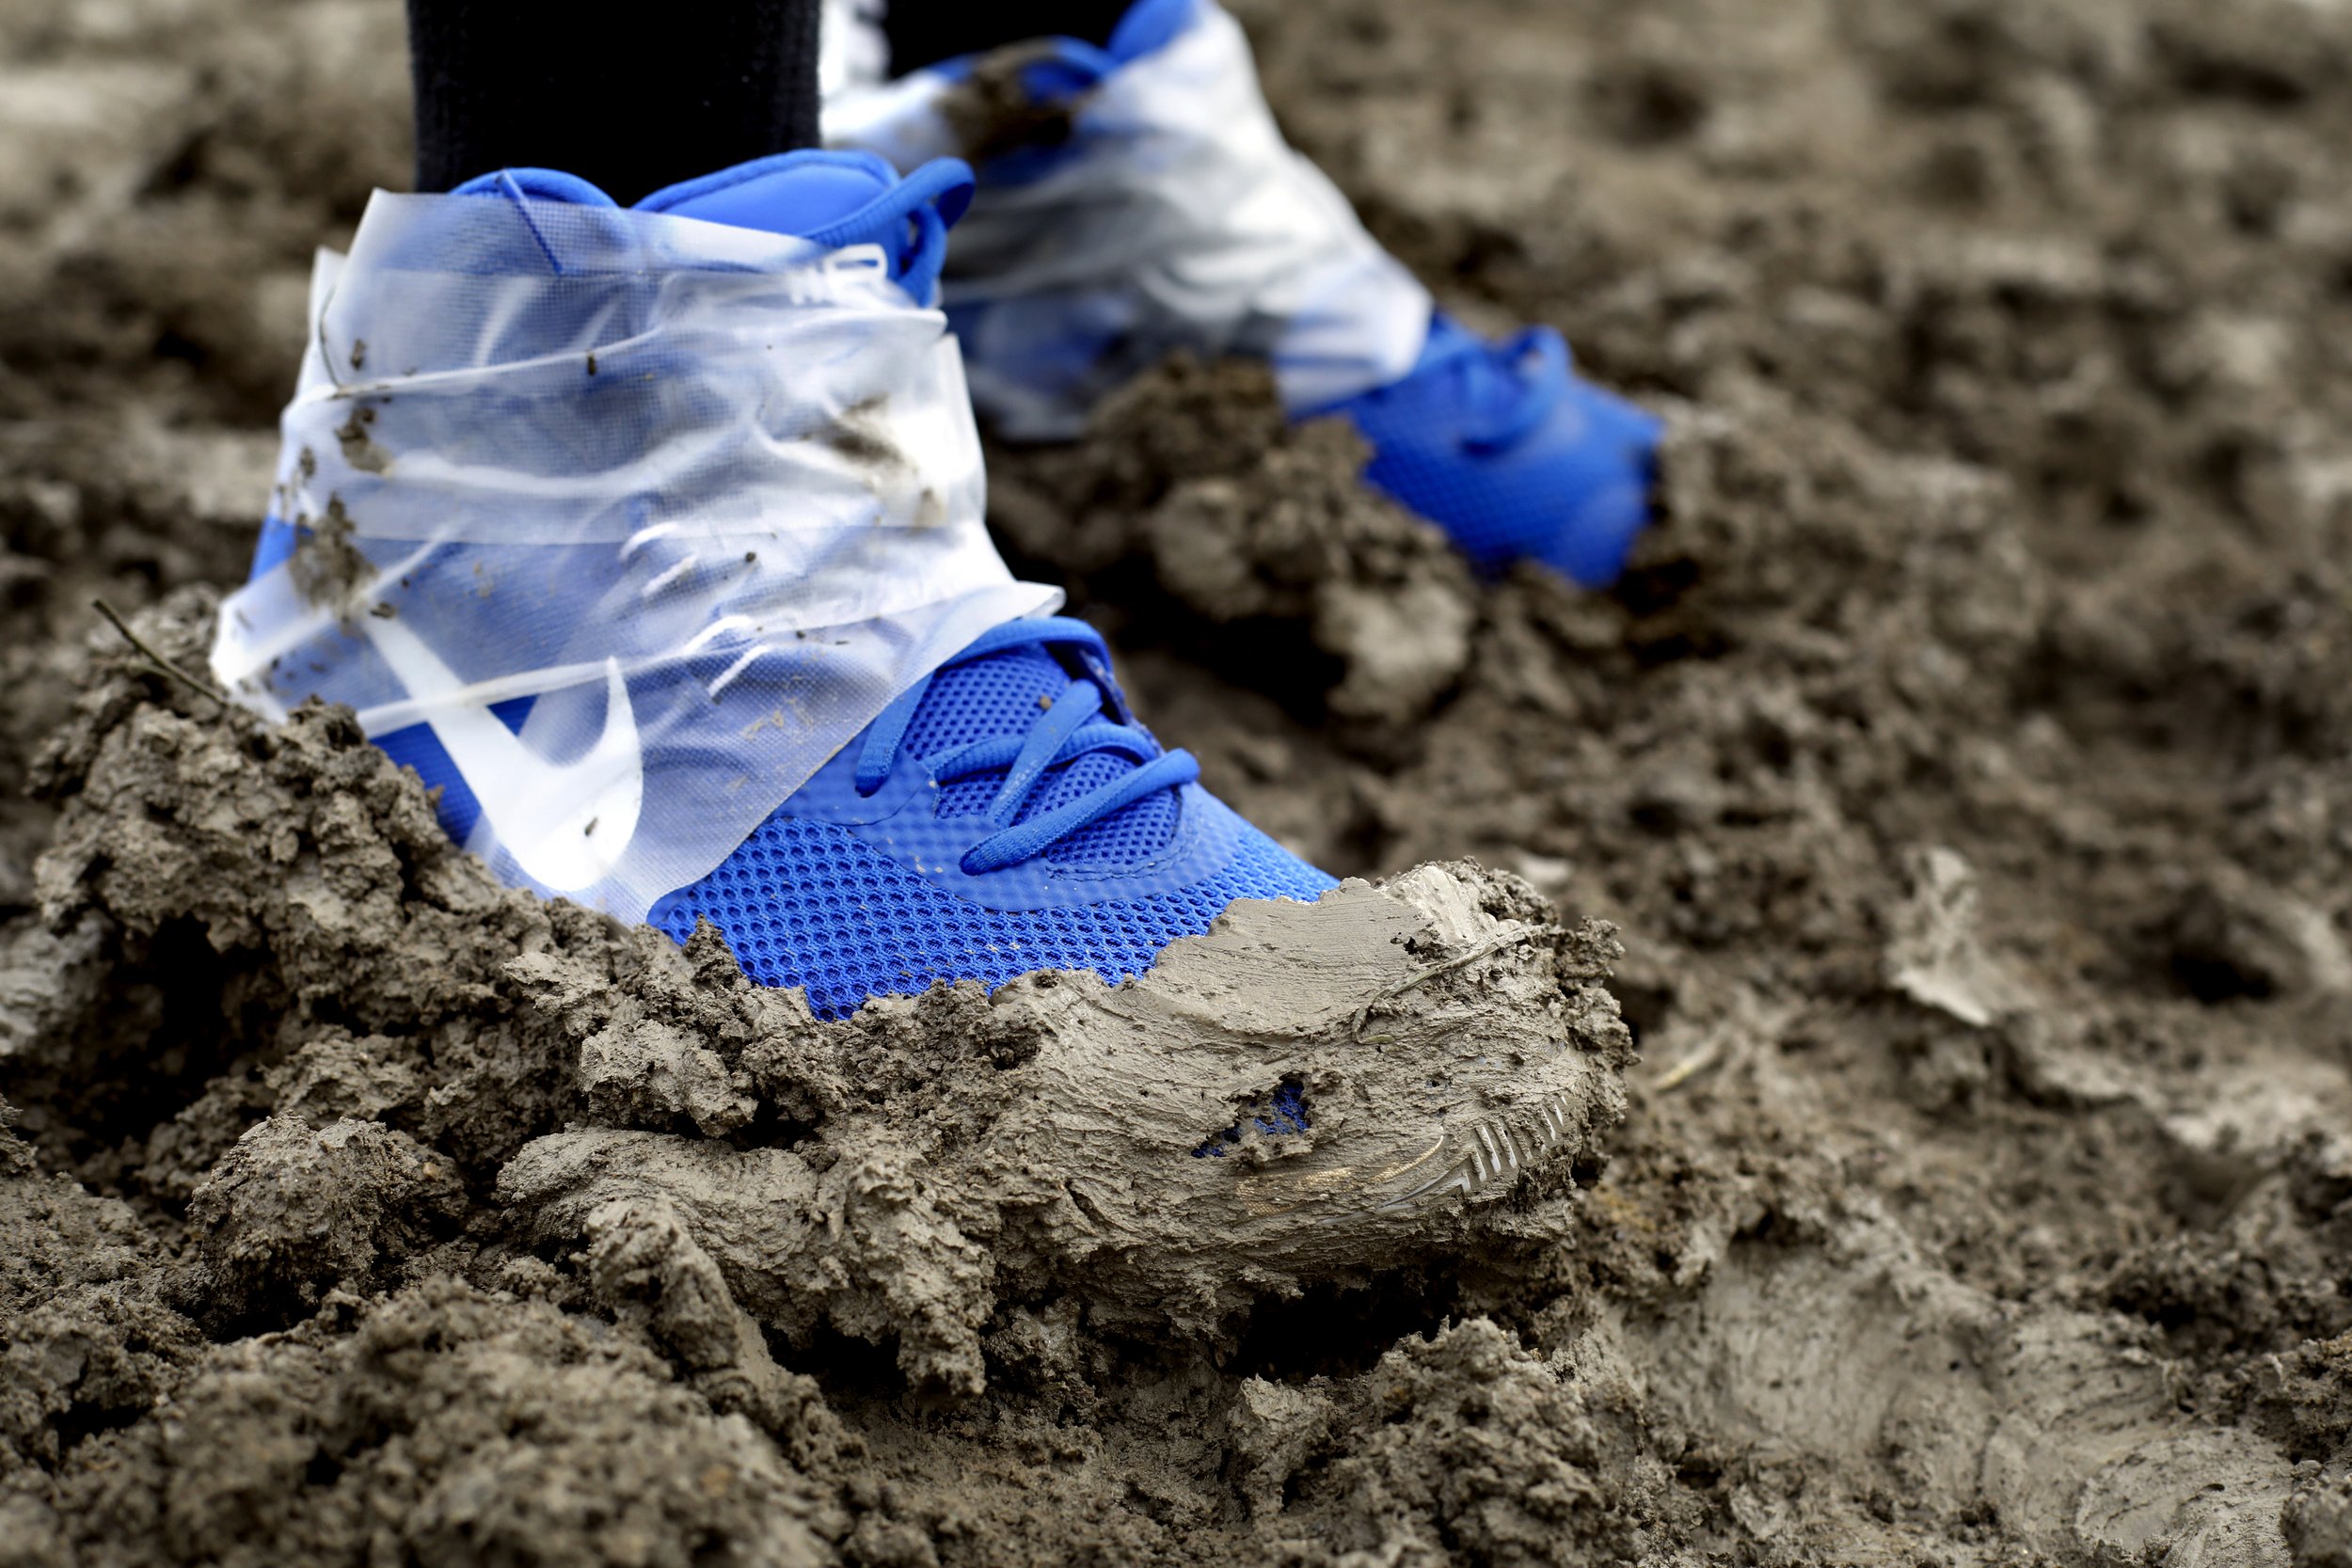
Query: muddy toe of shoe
{"x": 1305, "y": 1093}
{"x": 1314, "y": 1091}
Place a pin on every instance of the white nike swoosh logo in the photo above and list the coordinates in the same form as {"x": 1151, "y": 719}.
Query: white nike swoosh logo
{"x": 566, "y": 825}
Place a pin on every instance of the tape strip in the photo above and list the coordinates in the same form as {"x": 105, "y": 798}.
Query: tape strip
{"x": 710, "y": 496}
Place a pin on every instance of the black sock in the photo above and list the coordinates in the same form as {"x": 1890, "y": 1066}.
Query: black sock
{"x": 695, "y": 86}
{"x": 924, "y": 32}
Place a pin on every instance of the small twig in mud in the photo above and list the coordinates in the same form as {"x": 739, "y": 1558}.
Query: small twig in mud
{"x": 1709, "y": 1052}
{"x": 1421, "y": 977}
{"x": 114, "y": 618}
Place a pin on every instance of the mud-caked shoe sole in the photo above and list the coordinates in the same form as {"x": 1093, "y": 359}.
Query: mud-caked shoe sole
{"x": 1309, "y": 1093}
{"x": 1430, "y": 1043}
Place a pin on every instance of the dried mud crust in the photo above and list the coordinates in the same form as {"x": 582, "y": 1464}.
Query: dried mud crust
{"x": 1196, "y": 506}
{"x": 1961, "y": 764}
{"x": 424, "y": 1093}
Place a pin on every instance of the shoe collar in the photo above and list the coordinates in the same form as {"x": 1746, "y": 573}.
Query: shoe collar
{"x": 832, "y": 199}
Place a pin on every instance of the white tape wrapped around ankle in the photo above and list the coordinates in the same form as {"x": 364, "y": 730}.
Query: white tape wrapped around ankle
{"x": 710, "y": 496}
{"x": 1175, "y": 218}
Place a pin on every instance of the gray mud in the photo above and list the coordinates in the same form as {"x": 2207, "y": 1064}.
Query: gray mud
{"x": 1950, "y": 807}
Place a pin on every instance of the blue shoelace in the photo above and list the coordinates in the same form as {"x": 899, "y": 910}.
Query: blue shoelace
{"x": 906, "y": 222}
{"x": 1067, "y": 729}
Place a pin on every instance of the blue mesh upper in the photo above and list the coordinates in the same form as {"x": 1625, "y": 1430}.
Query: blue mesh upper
{"x": 811, "y": 904}
{"x": 1122, "y": 838}
{"x": 1572, "y": 493}
{"x": 985, "y": 698}
{"x": 854, "y": 903}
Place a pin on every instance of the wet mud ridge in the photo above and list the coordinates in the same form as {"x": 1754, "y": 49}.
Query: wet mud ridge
{"x": 1839, "y": 1050}
{"x": 463, "y": 1091}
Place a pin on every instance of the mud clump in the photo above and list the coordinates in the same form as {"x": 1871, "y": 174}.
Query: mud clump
{"x": 2318, "y": 1522}
{"x": 327, "y": 568}
{"x": 1196, "y": 500}
{"x": 645, "y": 1267}
{"x": 1441, "y": 1053}
{"x": 291, "y": 1213}
{"x": 354, "y": 436}
{"x": 89, "y": 1346}
{"x": 442, "y": 1423}
{"x": 423, "y": 1079}
{"x": 1487, "y": 1450}
{"x": 179, "y": 817}
{"x": 1960, "y": 764}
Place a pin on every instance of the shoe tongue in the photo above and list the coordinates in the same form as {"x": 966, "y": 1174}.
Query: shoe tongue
{"x": 1005, "y": 694}
{"x": 1002, "y": 694}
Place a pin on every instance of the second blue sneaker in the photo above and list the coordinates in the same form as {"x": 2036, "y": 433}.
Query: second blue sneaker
{"x": 1138, "y": 200}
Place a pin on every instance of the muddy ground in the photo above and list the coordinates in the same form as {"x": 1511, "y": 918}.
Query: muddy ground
{"x": 1962, "y": 765}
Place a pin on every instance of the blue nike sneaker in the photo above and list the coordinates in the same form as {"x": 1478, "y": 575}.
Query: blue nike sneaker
{"x": 1138, "y": 200}
{"x": 653, "y": 540}
{"x": 1004, "y": 814}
